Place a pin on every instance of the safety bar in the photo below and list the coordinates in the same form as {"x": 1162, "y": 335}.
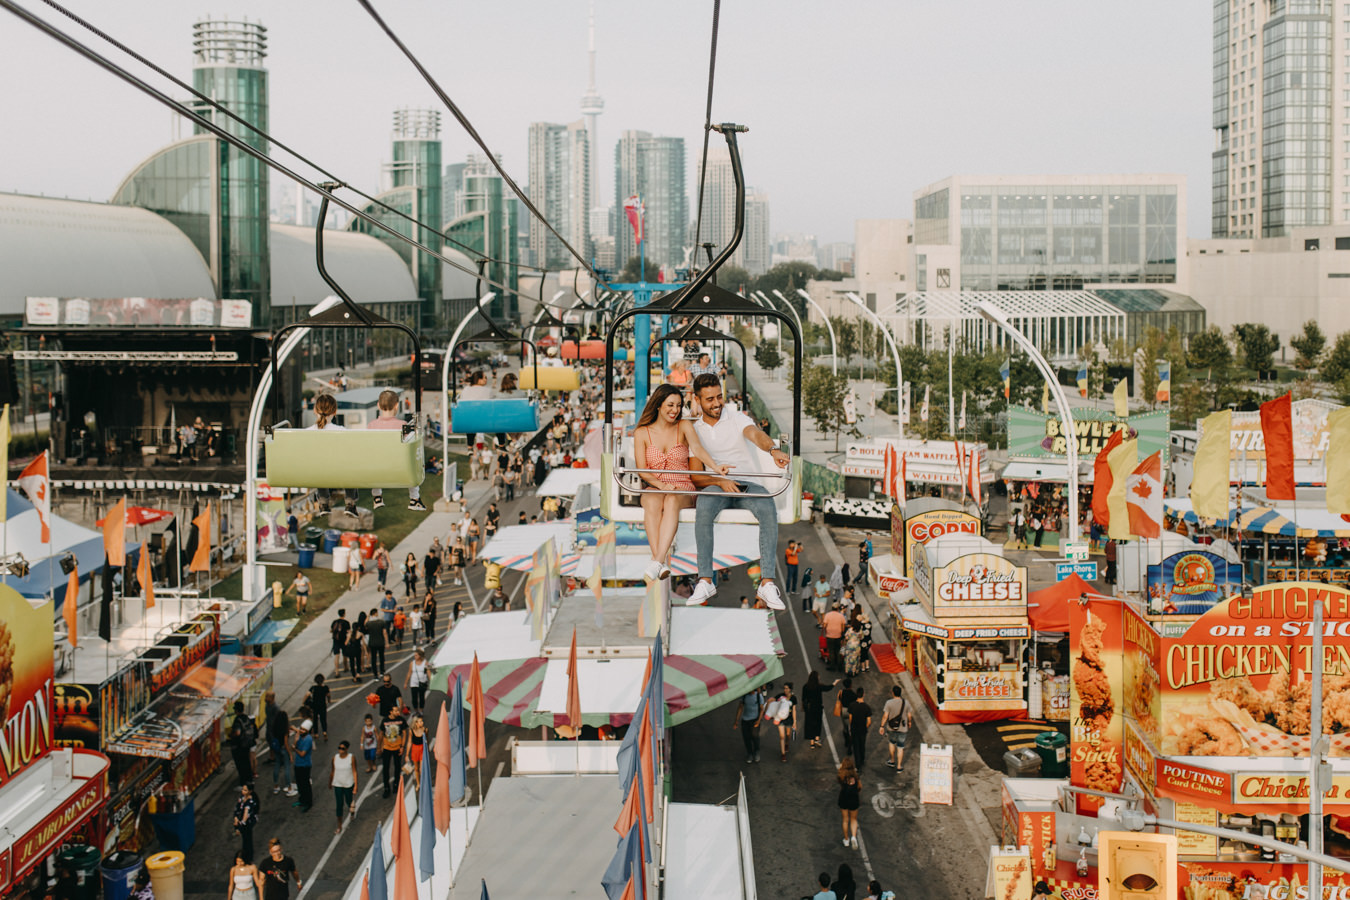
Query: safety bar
{"x": 783, "y": 475}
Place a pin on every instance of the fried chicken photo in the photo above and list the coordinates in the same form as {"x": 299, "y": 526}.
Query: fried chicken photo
{"x": 1094, "y": 688}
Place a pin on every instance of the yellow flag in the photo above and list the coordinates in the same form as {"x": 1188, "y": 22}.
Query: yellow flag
{"x": 1209, "y": 484}
{"x": 1338, "y": 462}
{"x": 1045, "y": 398}
{"x": 4, "y": 463}
{"x": 1122, "y": 396}
{"x": 1122, "y": 460}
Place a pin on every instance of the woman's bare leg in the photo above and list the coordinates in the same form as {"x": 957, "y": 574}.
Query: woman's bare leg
{"x": 670, "y": 523}
{"x": 653, "y": 504}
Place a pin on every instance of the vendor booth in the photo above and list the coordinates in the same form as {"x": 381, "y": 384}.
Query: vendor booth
{"x": 969, "y": 630}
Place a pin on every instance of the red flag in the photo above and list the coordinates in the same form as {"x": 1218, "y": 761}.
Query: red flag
{"x": 902, "y": 483}
{"x": 1277, "y": 426}
{"x": 400, "y": 844}
{"x": 1101, "y": 480}
{"x": 146, "y": 577}
{"x": 888, "y": 472}
{"x": 70, "y": 605}
{"x": 1143, "y": 497}
{"x": 365, "y": 885}
{"x": 574, "y": 689}
{"x": 114, "y": 534}
{"x": 201, "y": 560}
{"x": 633, "y": 209}
{"x": 35, "y": 483}
{"x": 477, "y": 718}
{"x": 440, "y": 799}
{"x": 976, "y": 487}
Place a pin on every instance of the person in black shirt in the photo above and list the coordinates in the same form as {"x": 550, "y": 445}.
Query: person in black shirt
{"x": 339, "y": 630}
{"x": 493, "y": 515}
{"x": 388, "y": 694}
{"x": 846, "y": 698}
{"x": 243, "y": 735}
{"x": 430, "y": 565}
{"x": 318, "y": 703}
{"x": 277, "y": 870}
{"x": 375, "y": 628}
{"x": 859, "y": 721}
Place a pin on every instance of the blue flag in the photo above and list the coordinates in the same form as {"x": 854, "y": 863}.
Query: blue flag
{"x": 458, "y": 776}
{"x": 624, "y": 867}
{"x": 379, "y": 883}
{"x": 426, "y": 862}
{"x": 628, "y": 758}
{"x": 656, "y": 693}
{"x": 485, "y": 896}
{"x": 1005, "y": 372}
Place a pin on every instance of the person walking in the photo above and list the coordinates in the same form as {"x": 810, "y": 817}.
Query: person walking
{"x": 370, "y": 742}
{"x": 785, "y": 717}
{"x": 352, "y": 649}
{"x": 456, "y": 560}
{"x": 844, "y": 887}
{"x": 301, "y": 586}
{"x": 792, "y": 557}
{"x": 849, "y": 800}
{"x": 843, "y": 704}
{"x": 342, "y": 779}
{"x": 381, "y": 565}
{"x": 474, "y": 535}
{"x": 417, "y": 740}
{"x": 431, "y": 564}
{"x": 243, "y": 738}
{"x": 859, "y": 723}
{"x": 277, "y": 871}
{"x": 339, "y": 629}
{"x": 852, "y": 649}
{"x": 864, "y": 557}
{"x": 749, "y": 714}
{"x": 409, "y": 575}
{"x": 304, "y": 765}
{"x": 375, "y": 633}
{"x": 896, "y": 719}
{"x": 429, "y": 616}
{"x": 820, "y": 598}
{"x": 834, "y": 624}
{"x": 245, "y": 818}
{"x": 279, "y": 740}
{"x": 389, "y": 696}
{"x": 415, "y": 618}
{"x": 393, "y": 740}
{"x": 317, "y": 701}
{"x": 813, "y": 705}
{"x": 245, "y": 881}
{"x": 417, "y": 680}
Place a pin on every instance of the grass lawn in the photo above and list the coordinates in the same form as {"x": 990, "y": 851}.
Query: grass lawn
{"x": 392, "y": 523}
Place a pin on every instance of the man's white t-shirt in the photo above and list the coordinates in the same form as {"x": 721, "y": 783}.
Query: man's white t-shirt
{"x": 726, "y": 443}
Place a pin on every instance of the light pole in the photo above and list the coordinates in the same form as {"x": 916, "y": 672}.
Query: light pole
{"x": 764, "y": 302}
{"x": 449, "y": 360}
{"x": 995, "y": 315}
{"x": 895, "y": 351}
{"x": 834, "y": 346}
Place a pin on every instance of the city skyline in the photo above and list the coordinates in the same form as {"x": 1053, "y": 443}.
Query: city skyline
{"x": 847, "y": 99}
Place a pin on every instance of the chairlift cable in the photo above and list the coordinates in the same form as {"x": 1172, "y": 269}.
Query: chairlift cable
{"x": 473, "y": 133}
{"x": 707, "y": 125}
{"x": 263, "y": 134}
{"x": 156, "y": 94}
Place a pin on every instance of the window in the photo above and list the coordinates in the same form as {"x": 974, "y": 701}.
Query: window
{"x": 944, "y": 278}
{"x": 1311, "y": 244}
{"x": 1343, "y": 243}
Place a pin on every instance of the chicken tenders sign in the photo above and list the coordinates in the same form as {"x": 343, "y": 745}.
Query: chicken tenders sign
{"x": 1237, "y": 682}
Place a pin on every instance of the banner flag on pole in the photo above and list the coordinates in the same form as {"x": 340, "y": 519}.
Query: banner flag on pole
{"x": 146, "y": 577}
{"x": 1209, "y": 483}
{"x": 201, "y": 559}
{"x": 923, "y": 410}
{"x": 1123, "y": 461}
{"x": 1101, "y": 480}
{"x": 1338, "y": 461}
{"x": 961, "y": 419}
{"x": 1083, "y": 380}
{"x": 1005, "y": 372}
{"x": 1045, "y": 398}
{"x": 70, "y": 605}
{"x": 1143, "y": 497}
{"x": 1164, "y": 393}
{"x": 114, "y": 534}
{"x": 35, "y": 483}
{"x": 634, "y": 209}
{"x": 1122, "y": 398}
{"x": 1277, "y": 427}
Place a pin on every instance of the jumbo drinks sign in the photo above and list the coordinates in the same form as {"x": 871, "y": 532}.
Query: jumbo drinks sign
{"x": 27, "y": 639}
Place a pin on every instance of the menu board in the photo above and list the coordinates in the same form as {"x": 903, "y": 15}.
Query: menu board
{"x": 936, "y": 773}
{"x": 1192, "y": 843}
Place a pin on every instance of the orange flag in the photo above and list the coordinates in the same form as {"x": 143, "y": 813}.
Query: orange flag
{"x": 146, "y": 577}
{"x": 70, "y": 605}
{"x": 477, "y": 719}
{"x": 201, "y": 560}
{"x": 114, "y": 534}
{"x": 574, "y": 689}
{"x": 440, "y": 798}
{"x": 400, "y": 844}
{"x": 648, "y": 766}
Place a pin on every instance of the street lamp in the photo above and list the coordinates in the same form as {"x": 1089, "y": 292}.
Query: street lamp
{"x": 764, "y": 302}
{"x": 895, "y": 351}
{"x": 995, "y": 315}
{"x": 834, "y": 346}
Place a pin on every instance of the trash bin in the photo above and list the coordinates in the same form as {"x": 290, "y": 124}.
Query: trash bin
{"x": 1053, "y": 748}
{"x": 368, "y": 544}
{"x": 307, "y": 556}
{"x": 313, "y": 535}
{"x": 176, "y": 830}
{"x": 330, "y": 539}
{"x": 1024, "y": 763}
{"x": 166, "y": 875}
{"x": 349, "y": 539}
{"x": 82, "y": 862}
{"x": 340, "y": 555}
{"x": 119, "y": 874}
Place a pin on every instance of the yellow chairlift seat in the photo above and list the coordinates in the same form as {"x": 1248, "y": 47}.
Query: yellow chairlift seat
{"x": 551, "y": 378}
{"x": 312, "y": 458}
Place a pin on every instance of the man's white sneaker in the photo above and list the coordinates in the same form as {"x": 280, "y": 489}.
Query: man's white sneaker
{"x": 653, "y": 571}
{"x": 703, "y": 592}
{"x": 769, "y": 593}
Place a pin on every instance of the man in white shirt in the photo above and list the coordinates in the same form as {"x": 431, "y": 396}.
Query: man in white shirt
{"x": 727, "y": 435}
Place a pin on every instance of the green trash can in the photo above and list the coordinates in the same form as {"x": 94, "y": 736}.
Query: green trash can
{"x": 313, "y": 535}
{"x": 1053, "y": 748}
{"x": 82, "y": 862}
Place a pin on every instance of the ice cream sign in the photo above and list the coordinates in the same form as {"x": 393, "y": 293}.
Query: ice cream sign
{"x": 27, "y": 636}
{"x": 977, "y": 584}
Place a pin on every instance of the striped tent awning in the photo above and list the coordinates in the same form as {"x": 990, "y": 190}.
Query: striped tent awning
{"x": 514, "y": 545}
{"x": 1266, "y": 520}
{"x": 510, "y": 686}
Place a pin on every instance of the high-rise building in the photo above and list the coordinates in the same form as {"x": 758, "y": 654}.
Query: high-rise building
{"x": 719, "y": 216}
{"x": 1276, "y": 116}
{"x": 486, "y": 222}
{"x": 592, "y": 105}
{"x": 653, "y": 168}
{"x": 450, "y": 185}
{"x": 560, "y": 186}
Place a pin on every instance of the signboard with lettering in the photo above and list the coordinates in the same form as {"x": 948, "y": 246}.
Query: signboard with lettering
{"x": 93, "y": 715}
{"x": 1035, "y": 435}
{"x": 27, "y": 639}
{"x": 137, "y": 312}
{"x": 1194, "y": 843}
{"x": 1084, "y": 570}
{"x": 1095, "y": 643}
{"x": 921, "y": 528}
{"x": 1009, "y": 876}
{"x": 980, "y": 690}
{"x": 977, "y": 584}
{"x": 936, "y": 773}
{"x": 1311, "y": 435}
{"x": 41, "y": 840}
{"x": 1192, "y": 582}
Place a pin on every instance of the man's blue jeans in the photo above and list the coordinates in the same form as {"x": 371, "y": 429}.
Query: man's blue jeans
{"x": 791, "y": 578}
{"x": 712, "y": 500}
{"x": 281, "y": 763}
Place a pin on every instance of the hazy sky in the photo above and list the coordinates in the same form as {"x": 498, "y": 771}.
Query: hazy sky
{"x": 851, "y": 105}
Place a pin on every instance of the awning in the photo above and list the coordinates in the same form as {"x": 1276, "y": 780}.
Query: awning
{"x": 1042, "y": 470}
{"x": 169, "y": 726}
{"x": 565, "y": 482}
{"x": 46, "y": 803}
{"x": 1048, "y": 608}
{"x": 733, "y": 545}
{"x": 271, "y": 631}
{"x": 514, "y": 545}
{"x": 228, "y": 680}
{"x": 1278, "y": 520}
{"x": 914, "y": 618}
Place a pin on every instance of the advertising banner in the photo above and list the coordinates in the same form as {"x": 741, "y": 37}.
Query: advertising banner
{"x": 1311, "y": 434}
{"x": 138, "y": 312}
{"x": 1009, "y": 874}
{"x": 1190, "y": 583}
{"x": 1256, "y": 881}
{"x": 1036, "y": 832}
{"x": 190, "y": 643}
{"x": 27, "y": 639}
{"x": 1143, "y": 699}
{"x": 1035, "y": 435}
{"x": 977, "y": 584}
{"x": 93, "y": 715}
{"x": 1096, "y": 647}
{"x": 980, "y": 690}
{"x": 921, "y": 528}
{"x": 271, "y": 524}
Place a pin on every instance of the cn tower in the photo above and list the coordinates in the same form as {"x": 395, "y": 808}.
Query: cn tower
{"x": 592, "y": 105}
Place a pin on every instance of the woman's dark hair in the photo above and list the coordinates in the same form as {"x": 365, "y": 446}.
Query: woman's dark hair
{"x": 874, "y": 888}
{"x": 845, "y": 875}
{"x": 649, "y": 412}
{"x": 812, "y": 680}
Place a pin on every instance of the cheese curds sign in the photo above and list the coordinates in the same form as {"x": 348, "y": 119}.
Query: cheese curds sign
{"x": 27, "y": 638}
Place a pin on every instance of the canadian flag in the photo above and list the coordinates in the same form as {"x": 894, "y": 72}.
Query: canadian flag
{"x": 900, "y": 484}
{"x": 35, "y": 483}
{"x": 1144, "y": 497}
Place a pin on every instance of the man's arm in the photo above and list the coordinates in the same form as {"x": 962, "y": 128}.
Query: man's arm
{"x": 755, "y": 435}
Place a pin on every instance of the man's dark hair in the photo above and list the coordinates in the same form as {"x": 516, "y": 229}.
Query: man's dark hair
{"x": 706, "y": 380}
{"x": 824, "y": 879}
{"x": 896, "y": 691}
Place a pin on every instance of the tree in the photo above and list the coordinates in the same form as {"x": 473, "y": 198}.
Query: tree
{"x": 768, "y": 357}
{"x": 846, "y": 334}
{"x": 823, "y": 395}
{"x": 734, "y": 279}
{"x": 786, "y": 277}
{"x": 629, "y": 275}
{"x": 1309, "y": 346}
{"x": 829, "y": 275}
{"x": 1209, "y": 350}
{"x": 1258, "y": 347}
{"x": 1337, "y": 364}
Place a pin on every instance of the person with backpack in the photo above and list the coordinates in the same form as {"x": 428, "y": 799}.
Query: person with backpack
{"x": 339, "y": 629}
{"x": 243, "y": 737}
{"x": 896, "y": 719}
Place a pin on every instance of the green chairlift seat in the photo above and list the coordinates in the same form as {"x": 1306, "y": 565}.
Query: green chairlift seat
{"x": 312, "y": 458}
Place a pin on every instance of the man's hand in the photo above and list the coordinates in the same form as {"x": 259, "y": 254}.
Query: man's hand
{"x": 729, "y": 486}
{"x": 780, "y": 458}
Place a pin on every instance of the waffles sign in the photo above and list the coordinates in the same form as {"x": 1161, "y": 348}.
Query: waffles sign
{"x": 27, "y": 636}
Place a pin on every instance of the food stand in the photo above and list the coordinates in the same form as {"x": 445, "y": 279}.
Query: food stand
{"x": 969, "y": 629}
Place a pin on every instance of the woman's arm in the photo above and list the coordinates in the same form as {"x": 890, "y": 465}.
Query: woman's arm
{"x": 696, "y": 448}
